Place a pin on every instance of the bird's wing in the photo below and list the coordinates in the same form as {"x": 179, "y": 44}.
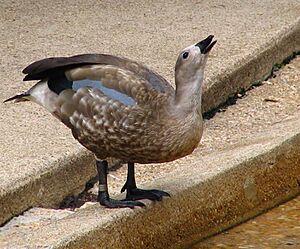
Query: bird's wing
{"x": 110, "y": 74}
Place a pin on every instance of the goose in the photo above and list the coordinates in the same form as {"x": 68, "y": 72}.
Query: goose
{"x": 117, "y": 107}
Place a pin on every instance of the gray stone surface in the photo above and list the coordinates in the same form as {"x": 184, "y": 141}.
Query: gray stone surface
{"x": 40, "y": 162}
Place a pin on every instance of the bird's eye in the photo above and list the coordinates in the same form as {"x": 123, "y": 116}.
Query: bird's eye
{"x": 185, "y": 55}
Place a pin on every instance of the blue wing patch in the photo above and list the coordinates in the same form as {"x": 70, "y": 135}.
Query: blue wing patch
{"x": 116, "y": 95}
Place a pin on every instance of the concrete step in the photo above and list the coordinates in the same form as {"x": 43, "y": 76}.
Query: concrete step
{"x": 41, "y": 164}
{"x": 248, "y": 162}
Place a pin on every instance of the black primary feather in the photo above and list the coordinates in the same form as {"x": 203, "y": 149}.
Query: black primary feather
{"x": 54, "y": 67}
{"x": 18, "y": 97}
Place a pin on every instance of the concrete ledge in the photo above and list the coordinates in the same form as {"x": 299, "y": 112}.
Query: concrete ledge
{"x": 255, "y": 179}
{"x": 44, "y": 189}
{"x": 255, "y": 66}
{"x": 230, "y": 187}
{"x": 248, "y": 162}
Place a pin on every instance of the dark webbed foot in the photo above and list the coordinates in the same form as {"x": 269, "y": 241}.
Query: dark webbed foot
{"x": 112, "y": 203}
{"x": 139, "y": 194}
{"x": 133, "y": 193}
{"x": 103, "y": 196}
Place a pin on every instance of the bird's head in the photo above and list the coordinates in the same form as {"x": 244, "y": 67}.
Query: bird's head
{"x": 193, "y": 58}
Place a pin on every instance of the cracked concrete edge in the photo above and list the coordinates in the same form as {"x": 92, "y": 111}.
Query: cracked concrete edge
{"x": 252, "y": 68}
{"x": 203, "y": 208}
{"x": 66, "y": 176}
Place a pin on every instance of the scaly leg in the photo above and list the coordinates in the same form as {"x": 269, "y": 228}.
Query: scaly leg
{"x": 133, "y": 193}
{"x": 103, "y": 196}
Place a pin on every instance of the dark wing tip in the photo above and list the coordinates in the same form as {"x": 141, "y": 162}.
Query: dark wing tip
{"x": 39, "y": 69}
{"x": 19, "y": 97}
{"x": 38, "y": 65}
{"x": 29, "y": 77}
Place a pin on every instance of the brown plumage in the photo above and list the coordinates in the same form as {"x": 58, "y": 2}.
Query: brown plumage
{"x": 146, "y": 132}
{"x": 119, "y": 108}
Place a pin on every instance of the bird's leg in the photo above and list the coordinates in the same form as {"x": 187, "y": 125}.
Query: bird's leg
{"x": 134, "y": 193}
{"x": 103, "y": 196}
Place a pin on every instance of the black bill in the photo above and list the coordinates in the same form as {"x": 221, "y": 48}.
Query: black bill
{"x": 206, "y": 44}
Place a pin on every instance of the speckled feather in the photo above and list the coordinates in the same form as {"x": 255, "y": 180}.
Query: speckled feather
{"x": 141, "y": 133}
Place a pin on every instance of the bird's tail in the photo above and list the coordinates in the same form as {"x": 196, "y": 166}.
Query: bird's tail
{"x": 19, "y": 97}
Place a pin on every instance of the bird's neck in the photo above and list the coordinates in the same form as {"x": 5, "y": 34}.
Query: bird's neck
{"x": 188, "y": 94}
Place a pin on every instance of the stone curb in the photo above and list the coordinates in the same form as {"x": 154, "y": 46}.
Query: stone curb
{"x": 254, "y": 180}
{"x": 256, "y": 66}
{"x": 42, "y": 190}
{"x": 243, "y": 182}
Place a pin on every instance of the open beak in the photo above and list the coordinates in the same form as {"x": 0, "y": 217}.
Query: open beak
{"x": 206, "y": 44}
